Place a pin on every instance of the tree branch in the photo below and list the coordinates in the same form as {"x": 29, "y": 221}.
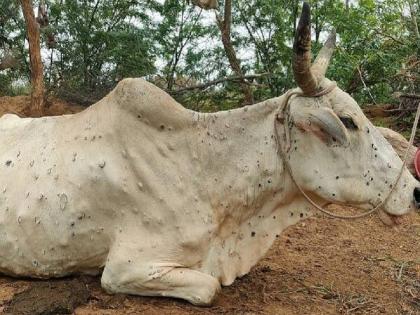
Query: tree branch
{"x": 413, "y": 96}
{"x": 379, "y": 32}
{"x": 218, "y": 81}
{"x": 227, "y": 22}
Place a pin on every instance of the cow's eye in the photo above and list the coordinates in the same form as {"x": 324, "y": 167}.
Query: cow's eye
{"x": 348, "y": 122}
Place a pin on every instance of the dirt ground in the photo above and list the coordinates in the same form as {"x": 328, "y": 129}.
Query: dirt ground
{"x": 19, "y": 105}
{"x": 319, "y": 266}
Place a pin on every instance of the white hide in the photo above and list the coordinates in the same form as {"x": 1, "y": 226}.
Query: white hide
{"x": 400, "y": 145}
{"x": 168, "y": 201}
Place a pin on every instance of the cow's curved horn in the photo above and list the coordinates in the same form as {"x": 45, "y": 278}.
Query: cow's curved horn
{"x": 320, "y": 66}
{"x": 304, "y": 77}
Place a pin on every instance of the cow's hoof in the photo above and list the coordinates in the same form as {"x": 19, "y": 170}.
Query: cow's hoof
{"x": 206, "y": 296}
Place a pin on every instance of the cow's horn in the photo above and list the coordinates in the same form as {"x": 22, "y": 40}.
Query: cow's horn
{"x": 320, "y": 66}
{"x": 304, "y": 77}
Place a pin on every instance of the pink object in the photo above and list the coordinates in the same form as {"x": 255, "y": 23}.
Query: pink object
{"x": 417, "y": 163}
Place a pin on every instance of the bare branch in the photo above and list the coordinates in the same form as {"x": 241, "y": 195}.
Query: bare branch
{"x": 240, "y": 79}
{"x": 379, "y": 32}
{"x": 413, "y": 96}
{"x": 364, "y": 84}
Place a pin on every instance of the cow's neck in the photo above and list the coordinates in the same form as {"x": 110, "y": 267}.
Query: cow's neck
{"x": 245, "y": 176}
{"x": 251, "y": 195}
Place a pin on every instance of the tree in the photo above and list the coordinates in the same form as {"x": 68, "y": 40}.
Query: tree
{"x": 225, "y": 26}
{"x": 268, "y": 30}
{"x": 37, "y": 71}
{"x": 98, "y": 43}
{"x": 179, "y": 28}
{"x": 244, "y": 58}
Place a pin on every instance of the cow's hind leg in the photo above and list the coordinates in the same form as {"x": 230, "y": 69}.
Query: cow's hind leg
{"x": 155, "y": 279}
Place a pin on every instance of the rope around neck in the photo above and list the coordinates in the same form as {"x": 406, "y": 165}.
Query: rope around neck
{"x": 282, "y": 151}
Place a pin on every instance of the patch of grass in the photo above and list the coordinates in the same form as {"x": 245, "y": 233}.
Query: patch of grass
{"x": 407, "y": 275}
{"x": 346, "y": 303}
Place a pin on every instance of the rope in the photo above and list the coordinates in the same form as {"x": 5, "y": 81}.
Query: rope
{"x": 327, "y": 90}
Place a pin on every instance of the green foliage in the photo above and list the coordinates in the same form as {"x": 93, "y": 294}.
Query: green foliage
{"x": 12, "y": 42}
{"x": 177, "y": 35}
{"x": 177, "y": 45}
{"x": 98, "y": 44}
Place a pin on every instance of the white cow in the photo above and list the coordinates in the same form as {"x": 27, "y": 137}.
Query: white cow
{"x": 169, "y": 202}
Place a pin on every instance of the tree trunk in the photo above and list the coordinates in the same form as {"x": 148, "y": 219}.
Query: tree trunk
{"x": 225, "y": 28}
{"x": 37, "y": 74}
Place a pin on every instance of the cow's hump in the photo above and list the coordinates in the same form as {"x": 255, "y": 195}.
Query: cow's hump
{"x": 147, "y": 101}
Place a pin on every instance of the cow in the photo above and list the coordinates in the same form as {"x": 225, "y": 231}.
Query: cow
{"x": 165, "y": 201}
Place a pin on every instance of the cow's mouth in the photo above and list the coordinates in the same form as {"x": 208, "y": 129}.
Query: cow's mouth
{"x": 389, "y": 219}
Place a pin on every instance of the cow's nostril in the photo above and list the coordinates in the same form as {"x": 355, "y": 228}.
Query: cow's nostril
{"x": 416, "y": 195}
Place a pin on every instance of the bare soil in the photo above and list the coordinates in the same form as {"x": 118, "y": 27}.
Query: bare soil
{"x": 19, "y": 105}
{"x": 319, "y": 266}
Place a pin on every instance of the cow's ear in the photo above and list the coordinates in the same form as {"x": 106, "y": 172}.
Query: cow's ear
{"x": 323, "y": 123}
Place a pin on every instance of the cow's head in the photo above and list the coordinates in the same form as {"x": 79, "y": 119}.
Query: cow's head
{"x": 334, "y": 150}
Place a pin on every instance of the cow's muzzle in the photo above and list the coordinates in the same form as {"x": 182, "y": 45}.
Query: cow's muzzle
{"x": 416, "y": 195}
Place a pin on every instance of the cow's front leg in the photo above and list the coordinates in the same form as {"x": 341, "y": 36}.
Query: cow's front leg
{"x": 159, "y": 279}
